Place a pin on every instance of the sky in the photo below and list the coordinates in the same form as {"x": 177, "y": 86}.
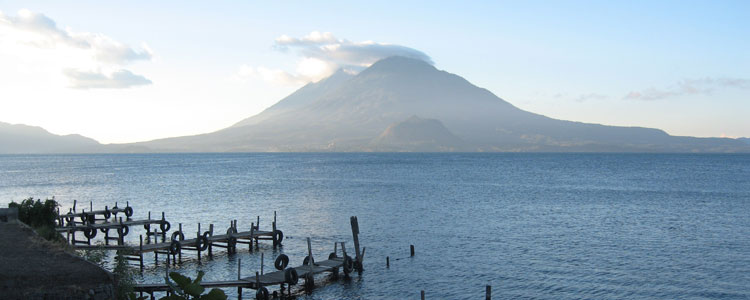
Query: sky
{"x": 139, "y": 70}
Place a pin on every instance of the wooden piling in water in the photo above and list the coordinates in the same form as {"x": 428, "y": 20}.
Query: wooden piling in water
{"x": 388, "y": 262}
{"x": 422, "y": 294}
{"x": 488, "y": 292}
{"x": 411, "y": 247}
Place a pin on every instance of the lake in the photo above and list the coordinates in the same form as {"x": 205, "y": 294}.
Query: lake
{"x": 534, "y": 226}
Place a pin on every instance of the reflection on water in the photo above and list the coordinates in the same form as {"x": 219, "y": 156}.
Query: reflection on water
{"x": 549, "y": 226}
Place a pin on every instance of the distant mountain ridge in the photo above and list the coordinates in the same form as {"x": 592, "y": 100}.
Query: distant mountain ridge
{"x": 348, "y": 112}
{"x": 24, "y": 139}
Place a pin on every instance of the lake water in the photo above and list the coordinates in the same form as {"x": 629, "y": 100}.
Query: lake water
{"x": 534, "y": 226}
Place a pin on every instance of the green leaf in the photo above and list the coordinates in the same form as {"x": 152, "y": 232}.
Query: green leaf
{"x": 194, "y": 290}
{"x": 199, "y": 278}
{"x": 214, "y": 294}
{"x": 182, "y": 281}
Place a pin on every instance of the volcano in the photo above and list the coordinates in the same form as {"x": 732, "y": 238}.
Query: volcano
{"x": 405, "y": 104}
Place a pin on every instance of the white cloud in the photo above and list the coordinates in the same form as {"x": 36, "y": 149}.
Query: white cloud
{"x": 701, "y": 86}
{"x": 35, "y": 39}
{"x": 97, "y": 80}
{"x": 322, "y": 54}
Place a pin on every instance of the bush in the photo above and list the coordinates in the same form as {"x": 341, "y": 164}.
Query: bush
{"x": 39, "y": 215}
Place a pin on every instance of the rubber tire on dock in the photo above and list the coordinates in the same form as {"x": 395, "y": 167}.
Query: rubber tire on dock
{"x": 231, "y": 230}
{"x": 147, "y": 227}
{"x": 175, "y": 247}
{"x": 281, "y": 262}
{"x": 332, "y": 255}
{"x": 306, "y": 260}
{"x": 92, "y": 219}
{"x": 178, "y": 235}
{"x": 128, "y": 211}
{"x": 69, "y": 218}
{"x": 84, "y": 217}
{"x": 107, "y": 214}
{"x": 123, "y": 231}
{"x": 290, "y": 276}
{"x": 165, "y": 226}
{"x": 232, "y": 242}
{"x": 90, "y": 232}
{"x": 202, "y": 243}
{"x": 278, "y": 237}
{"x": 348, "y": 265}
{"x": 261, "y": 293}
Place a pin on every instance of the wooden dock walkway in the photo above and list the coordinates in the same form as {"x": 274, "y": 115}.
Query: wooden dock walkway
{"x": 289, "y": 276}
{"x": 200, "y": 242}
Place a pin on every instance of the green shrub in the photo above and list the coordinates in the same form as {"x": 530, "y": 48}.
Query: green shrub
{"x": 184, "y": 288}
{"x": 39, "y": 215}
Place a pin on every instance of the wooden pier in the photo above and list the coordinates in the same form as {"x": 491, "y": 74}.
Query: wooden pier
{"x": 283, "y": 276}
{"x": 201, "y": 242}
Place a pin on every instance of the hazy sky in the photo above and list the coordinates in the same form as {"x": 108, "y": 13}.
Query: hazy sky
{"x": 132, "y": 71}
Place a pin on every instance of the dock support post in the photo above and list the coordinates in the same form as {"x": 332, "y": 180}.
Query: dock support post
{"x": 179, "y": 253}
{"x": 412, "y": 249}
{"x": 273, "y": 234}
{"x": 252, "y": 233}
{"x": 210, "y": 244}
{"x": 140, "y": 251}
{"x": 239, "y": 275}
{"x": 74, "y": 205}
{"x": 197, "y": 238}
{"x": 261, "y": 263}
{"x": 388, "y": 262}
{"x": 488, "y": 293}
{"x": 422, "y": 294}
{"x": 355, "y": 235}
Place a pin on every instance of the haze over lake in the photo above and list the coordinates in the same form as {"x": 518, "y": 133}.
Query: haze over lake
{"x": 551, "y": 226}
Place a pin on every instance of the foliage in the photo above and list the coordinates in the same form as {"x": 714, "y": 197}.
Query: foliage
{"x": 124, "y": 277}
{"x": 97, "y": 256}
{"x": 184, "y": 288}
{"x": 39, "y": 215}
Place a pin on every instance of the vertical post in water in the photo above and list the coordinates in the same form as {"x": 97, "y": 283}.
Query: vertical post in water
{"x": 140, "y": 251}
{"x": 74, "y": 205}
{"x": 91, "y": 205}
{"x": 210, "y": 244}
{"x": 261, "y": 263}
{"x": 411, "y": 247}
{"x": 422, "y": 294}
{"x": 239, "y": 288}
{"x": 388, "y": 262}
{"x": 252, "y": 233}
{"x": 355, "y": 235}
{"x": 488, "y": 292}
{"x": 179, "y": 253}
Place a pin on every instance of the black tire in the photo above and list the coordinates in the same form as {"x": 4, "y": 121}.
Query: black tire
{"x": 69, "y": 218}
{"x": 290, "y": 276}
{"x": 281, "y": 262}
{"x": 107, "y": 214}
{"x": 231, "y": 230}
{"x": 332, "y": 255}
{"x": 165, "y": 226}
{"x": 103, "y": 230}
{"x": 90, "y": 232}
{"x": 147, "y": 227}
{"x": 279, "y": 236}
{"x": 123, "y": 231}
{"x": 348, "y": 265}
{"x": 91, "y": 219}
{"x": 306, "y": 260}
{"x": 232, "y": 242}
{"x": 175, "y": 247}
{"x": 202, "y": 243}
{"x": 128, "y": 211}
{"x": 84, "y": 217}
{"x": 178, "y": 236}
{"x": 261, "y": 293}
